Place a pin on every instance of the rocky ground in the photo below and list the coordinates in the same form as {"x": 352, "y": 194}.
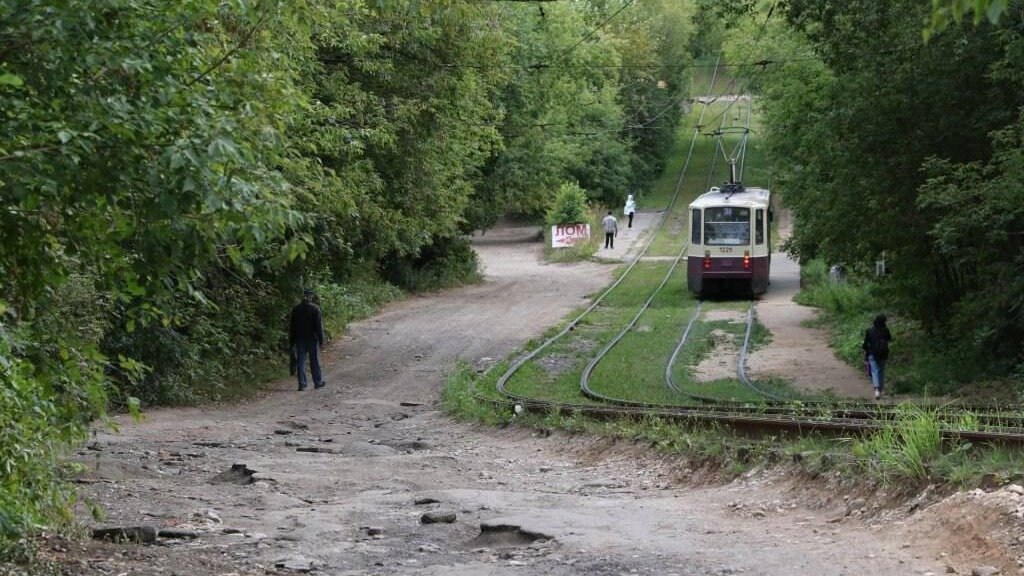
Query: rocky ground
{"x": 367, "y": 476}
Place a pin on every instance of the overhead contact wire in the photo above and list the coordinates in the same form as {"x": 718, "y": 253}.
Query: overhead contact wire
{"x": 502, "y": 384}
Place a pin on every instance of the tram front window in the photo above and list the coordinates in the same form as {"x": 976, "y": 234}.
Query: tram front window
{"x": 726, "y": 226}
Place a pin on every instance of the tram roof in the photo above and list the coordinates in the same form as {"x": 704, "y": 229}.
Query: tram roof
{"x": 748, "y": 197}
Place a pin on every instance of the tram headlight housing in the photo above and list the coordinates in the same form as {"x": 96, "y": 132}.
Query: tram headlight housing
{"x": 746, "y": 259}
{"x": 707, "y": 259}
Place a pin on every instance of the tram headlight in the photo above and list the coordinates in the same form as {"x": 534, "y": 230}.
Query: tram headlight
{"x": 707, "y": 260}
{"x": 746, "y": 259}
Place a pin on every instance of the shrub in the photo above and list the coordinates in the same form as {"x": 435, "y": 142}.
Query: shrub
{"x": 344, "y": 303}
{"x": 580, "y": 250}
{"x": 447, "y": 262}
{"x": 569, "y": 206}
{"x": 51, "y": 387}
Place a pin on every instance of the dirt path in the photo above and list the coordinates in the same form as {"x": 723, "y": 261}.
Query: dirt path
{"x": 630, "y": 241}
{"x": 799, "y": 354}
{"x": 329, "y": 481}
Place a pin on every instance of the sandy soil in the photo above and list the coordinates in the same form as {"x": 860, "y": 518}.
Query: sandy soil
{"x": 337, "y": 481}
{"x": 798, "y": 354}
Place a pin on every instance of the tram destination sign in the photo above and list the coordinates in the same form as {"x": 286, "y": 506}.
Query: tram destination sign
{"x": 567, "y": 235}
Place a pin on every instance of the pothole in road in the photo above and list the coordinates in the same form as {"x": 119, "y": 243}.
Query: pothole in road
{"x": 505, "y": 536}
{"x": 237, "y": 474}
{"x": 406, "y": 445}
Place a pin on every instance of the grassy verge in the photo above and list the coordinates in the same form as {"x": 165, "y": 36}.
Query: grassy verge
{"x": 917, "y": 365}
{"x": 908, "y": 450}
{"x": 555, "y": 373}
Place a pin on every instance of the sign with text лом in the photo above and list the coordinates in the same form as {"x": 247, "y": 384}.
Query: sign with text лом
{"x": 567, "y": 235}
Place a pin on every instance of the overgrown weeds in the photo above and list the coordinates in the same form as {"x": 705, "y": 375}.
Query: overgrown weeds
{"x": 909, "y": 446}
{"x": 919, "y": 363}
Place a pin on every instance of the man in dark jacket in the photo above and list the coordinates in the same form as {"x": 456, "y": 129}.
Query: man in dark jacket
{"x": 306, "y": 336}
{"x": 876, "y": 352}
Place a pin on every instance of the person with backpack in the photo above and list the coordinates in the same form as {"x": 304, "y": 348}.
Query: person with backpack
{"x": 876, "y": 352}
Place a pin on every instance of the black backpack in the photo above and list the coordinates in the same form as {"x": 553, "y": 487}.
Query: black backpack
{"x": 878, "y": 343}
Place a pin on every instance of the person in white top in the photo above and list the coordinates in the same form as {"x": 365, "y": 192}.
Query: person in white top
{"x": 629, "y": 210}
{"x": 611, "y": 228}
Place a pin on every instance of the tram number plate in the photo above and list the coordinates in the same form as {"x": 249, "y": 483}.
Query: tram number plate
{"x": 725, "y": 249}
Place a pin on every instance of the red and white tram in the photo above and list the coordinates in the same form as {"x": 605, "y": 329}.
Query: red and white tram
{"x": 729, "y": 239}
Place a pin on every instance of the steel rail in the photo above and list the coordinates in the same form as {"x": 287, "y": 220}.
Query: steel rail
{"x": 585, "y": 388}
{"x": 765, "y": 421}
{"x": 774, "y": 413}
{"x": 502, "y": 384}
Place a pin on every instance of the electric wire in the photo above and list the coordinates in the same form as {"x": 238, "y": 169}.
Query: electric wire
{"x": 502, "y": 383}
{"x": 587, "y": 36}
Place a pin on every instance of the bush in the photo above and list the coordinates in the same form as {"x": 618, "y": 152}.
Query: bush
{"x": 52, "y": 385}
{"x": 344, "y": 303}
{"x": 447, "y": 262}
{"x": 569, "y": 206}
{"x": 214, "y": 349}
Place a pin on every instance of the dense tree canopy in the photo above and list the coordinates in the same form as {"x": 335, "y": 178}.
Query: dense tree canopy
{"x": 172, "y": 173}
{"x": 892, "y": 147}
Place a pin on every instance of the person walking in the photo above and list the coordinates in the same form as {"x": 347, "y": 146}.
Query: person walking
{"x": 611, "y": 228}
{"x": 876, "y": 352}
{"x": 306, "y": 336}
{"x": 629, "y": 210}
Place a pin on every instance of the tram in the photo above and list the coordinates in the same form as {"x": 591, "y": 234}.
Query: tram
{"x": 730, "y": 245}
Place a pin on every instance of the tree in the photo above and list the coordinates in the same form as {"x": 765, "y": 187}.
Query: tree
{"x": 140, "y": 151}
{"x": 885, "y": 147}
{"x": 946, "y": 12}
{"x": 569, "y": 206}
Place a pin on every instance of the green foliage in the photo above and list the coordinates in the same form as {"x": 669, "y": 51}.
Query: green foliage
{"x": 840, "y": 299}
{"x": 447, "y": 262}
{"x": 345, "y": 303}
{"x": 38, "y": 420}
{"x": 919, "y": 363}
{"x": 907, "y": 446}
{"x": 941, "y": 203}
{"x": 569, "y": 205}
{"x": 945, "y": 12}
{"x": 172, "y": 178}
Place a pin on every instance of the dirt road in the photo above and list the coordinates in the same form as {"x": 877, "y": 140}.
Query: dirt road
{"x": 799, "y": 354}
{"x": 337, "y": 481}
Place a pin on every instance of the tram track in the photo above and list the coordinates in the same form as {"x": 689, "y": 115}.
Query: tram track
{"x": 772, "y": 412}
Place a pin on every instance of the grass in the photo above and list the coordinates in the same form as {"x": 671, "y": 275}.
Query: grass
{"x": 917, "y": 364}
{"x": 555, "y": 373}
{"x": 634, "y": 369}
{"x": 907, "y": 450}
{"x": 906, "y": 446}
